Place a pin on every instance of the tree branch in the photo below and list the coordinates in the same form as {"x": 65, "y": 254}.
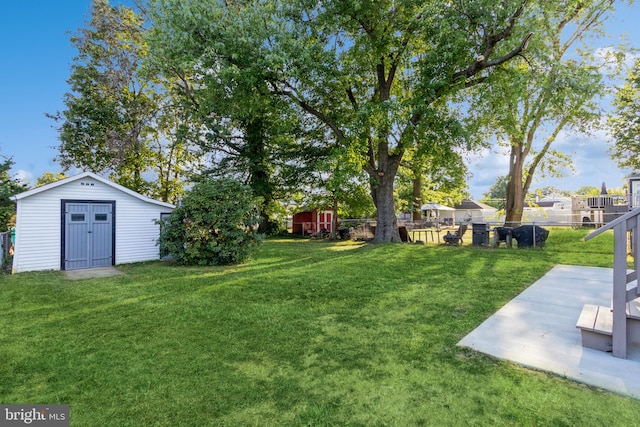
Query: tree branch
{"x": 308, "y": 108}
{"x": 185, "y": 86}
{"x": 481, "y": 63}
{"x": 352, "y": 98}
{"x": 370, "y": 166}
{"x": 541, "y": 154}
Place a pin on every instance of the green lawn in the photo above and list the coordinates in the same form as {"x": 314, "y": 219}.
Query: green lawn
{"x": 308, "y": 333}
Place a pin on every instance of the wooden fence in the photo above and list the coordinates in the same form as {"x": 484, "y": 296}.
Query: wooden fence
{"x": 5, "y": 244}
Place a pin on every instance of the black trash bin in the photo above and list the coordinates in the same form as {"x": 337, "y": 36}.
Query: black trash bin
{"x": 480, "y": 234}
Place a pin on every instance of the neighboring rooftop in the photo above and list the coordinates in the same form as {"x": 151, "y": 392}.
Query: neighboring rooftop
{"x": 472, "y": 204}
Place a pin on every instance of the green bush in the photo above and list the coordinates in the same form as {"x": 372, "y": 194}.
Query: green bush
{"x": 216, "y": 224}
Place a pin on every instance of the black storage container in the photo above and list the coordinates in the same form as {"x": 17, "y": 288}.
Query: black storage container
{"x": 525, "y": 235}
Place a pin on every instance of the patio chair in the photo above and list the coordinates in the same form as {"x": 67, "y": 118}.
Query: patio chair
{"x": 456, "y": 237}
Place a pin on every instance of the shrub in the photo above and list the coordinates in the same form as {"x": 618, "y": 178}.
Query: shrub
{"x": 214, "y": 225}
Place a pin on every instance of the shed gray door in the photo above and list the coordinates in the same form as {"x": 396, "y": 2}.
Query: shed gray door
{"x": 88, "y": 235}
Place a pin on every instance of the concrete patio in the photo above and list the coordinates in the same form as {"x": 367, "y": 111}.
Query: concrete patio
{"x": 537, "y": 330}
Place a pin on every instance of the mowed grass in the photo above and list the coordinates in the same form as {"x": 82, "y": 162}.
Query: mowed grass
{"x": 308, "y": 333}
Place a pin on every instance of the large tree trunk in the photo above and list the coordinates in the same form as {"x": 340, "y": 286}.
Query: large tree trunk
{"x": 417, "y": 198}
{"x": 387, "y": 223}
{"x": 515, "y": 189}
{"x": 382, "y": 180}
{"x": 256, "y": 151}
{"x": 334, "y": 219}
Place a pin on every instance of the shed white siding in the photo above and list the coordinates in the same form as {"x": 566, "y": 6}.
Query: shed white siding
{"x": 39, "y": 225}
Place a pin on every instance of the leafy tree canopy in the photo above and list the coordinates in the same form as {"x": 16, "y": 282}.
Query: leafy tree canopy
{"x": 119, "y": 118}
{"x": 625, "y": 123}
{"x": 549, "y": 191}
{"x": 48, "y": 178}
{"x": 497, "y": 194}
{"x": 587, "y": 190}
{"x": 372, "y": 74}
{"x": 249, "y": 133}
{"x": 529, "y": 103}
{"x": 9, "y": 186}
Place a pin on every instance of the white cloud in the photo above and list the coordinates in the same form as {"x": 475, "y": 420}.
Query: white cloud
{"x": 485, "y": 168}
{"x": 609, "y": 57}
{"x": 24, "y": 176}
{"x": 588, "y": 153}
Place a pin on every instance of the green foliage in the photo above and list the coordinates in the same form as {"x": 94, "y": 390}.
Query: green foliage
{"x": 356, "y": 203}
{"x": 9, "y": 186}
{"x": 497, "y": 193}
{"x": 339, "y": 183}
{"x": 433, "y": 178}
{"x": 587, "y": 190}
{"x": 48, "y": 178}
{"x": 625, "y": 126}
{"x": 370, "y": 77}
{"x": 529, "y": 103}
{"x": 548, "y": 191}
{"x": 551, "y": 190}
{"x": 215, "y": 224}
{"x": 119, "y": 118}
{"x": 252, "y": 134}
{"x": 434, "y": 169}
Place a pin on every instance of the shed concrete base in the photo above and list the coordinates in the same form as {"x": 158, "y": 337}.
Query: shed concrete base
{"x": 91, "y": 273}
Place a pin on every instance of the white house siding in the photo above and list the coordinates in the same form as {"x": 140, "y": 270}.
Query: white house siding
{"x": 37, "y": 244}
{"x": 38, "y": 224}
{"x": 530, "y": 215}
{"x": 136, "y": 230}
{"x": 477, "y": 215}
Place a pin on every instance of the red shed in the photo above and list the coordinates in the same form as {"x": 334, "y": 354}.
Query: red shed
{"x": 310, "y": 222}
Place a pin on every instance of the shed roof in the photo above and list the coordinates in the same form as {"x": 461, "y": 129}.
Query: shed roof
{"x": 92, "y": 175}
{"x": 473, "y": 205}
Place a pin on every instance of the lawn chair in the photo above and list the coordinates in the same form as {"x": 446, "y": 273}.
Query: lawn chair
{"x": 455, "y": 238}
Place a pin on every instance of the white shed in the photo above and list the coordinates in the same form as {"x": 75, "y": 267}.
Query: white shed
{"x": 85, "y": 221}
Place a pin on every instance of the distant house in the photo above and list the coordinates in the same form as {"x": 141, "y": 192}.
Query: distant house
{"x": 551, "y": 209}
{"x": 85, "y": 221}
{"x": 541, "y": 204}
{"x": 552, "y": 202}
{"x": 310, "y": 222}
{"x": 471, "y": 211}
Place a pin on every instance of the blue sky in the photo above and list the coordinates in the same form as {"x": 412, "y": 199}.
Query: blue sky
{"x": 36, "y": 55}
